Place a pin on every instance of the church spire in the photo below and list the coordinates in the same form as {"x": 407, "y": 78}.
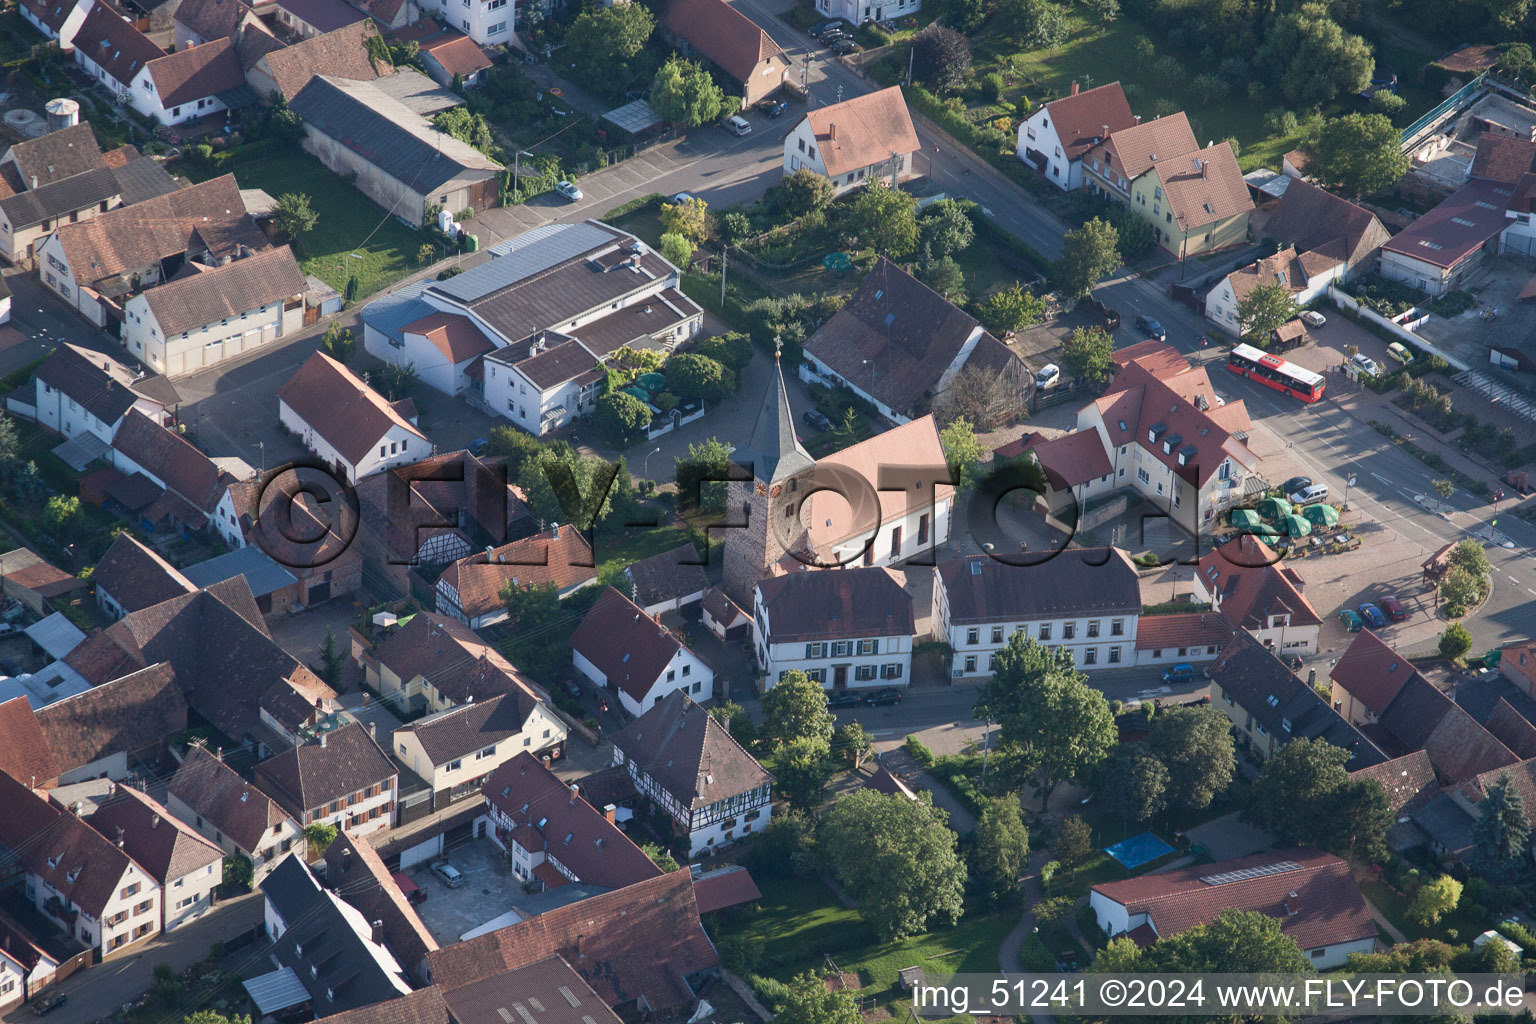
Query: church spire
{"x": 775, "y": 447}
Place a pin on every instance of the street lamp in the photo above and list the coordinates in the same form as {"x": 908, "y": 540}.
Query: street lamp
{"x": 645, "y": 463}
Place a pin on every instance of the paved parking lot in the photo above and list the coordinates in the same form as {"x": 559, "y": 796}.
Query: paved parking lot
{"x": 488, "y": 892}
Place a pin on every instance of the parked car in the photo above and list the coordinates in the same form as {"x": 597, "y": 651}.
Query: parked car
{"x": 1352, "y": 621}
{"x": 816, "y": 420}
{"x": 1397, "y": 350}
{"x": 1152, "y": 328}
{"x": 1372, "y": 615}
{"x": 452, "y": 877}
{"x": 1291, "y": 661}
{"x": 1312, "y": 318}
{"x": 1183, "y": 672}
{"x": 773, "y": 108}
{"x": 48, "y": 1001}
{"x": 1111, "y": 317}
{"x": 1048, "y": 377}
{"x": 844, "y": 46}
{"x": 479, "y": 445}
{"x": 683, "y": 197}
{"x": 1309, "y": 495}
{"x": 569, "y": 190}
{"x": 1296, "y": 483}
{"x": 572, "y": 688}
{"x": 845, "y": 699}
{"x": 736, "y": 125}
{"x": 1394, "y": 608}
{"x": 832, "y": 35}
{"x": 1366, "y": 364}
{"x": 884, "y": 698}
{"x": 822, "y": 27}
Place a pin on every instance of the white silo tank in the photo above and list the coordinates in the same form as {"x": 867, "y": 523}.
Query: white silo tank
{"x": 62, "y": 113}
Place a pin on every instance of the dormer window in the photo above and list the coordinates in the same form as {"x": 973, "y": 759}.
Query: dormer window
{"x": 1156, "y": 431}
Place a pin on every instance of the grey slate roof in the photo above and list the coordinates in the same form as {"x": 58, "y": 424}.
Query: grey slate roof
{"x": 142, "y": 179}
{"x": 1076, "y": 582}
{"x": 262, "y": 574}
{"x": 387, "y": 134}
{"x": 775, "y": 448}
{"x": 390, "y": 313}
{"x": 32, "y": 207}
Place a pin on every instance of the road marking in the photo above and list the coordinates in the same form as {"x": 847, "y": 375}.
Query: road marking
{"x": 1528, "y": 590}
{"x": 1383, "y": 479}
{"x": 1513, "y": 580}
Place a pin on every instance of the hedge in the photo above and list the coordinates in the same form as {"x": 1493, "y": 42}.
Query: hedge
{"x": 637, "y": 203}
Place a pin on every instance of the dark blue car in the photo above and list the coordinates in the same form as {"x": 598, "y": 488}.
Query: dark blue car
{"x": 1151, "y": 327}
{"x": 1372, "y": 615}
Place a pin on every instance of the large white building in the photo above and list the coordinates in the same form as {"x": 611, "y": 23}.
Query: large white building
{"x": 1304, "y": 277}
{"x": 350, "y": 426}
{"x": 454, "y": 750}
{"x": 1246, "y": 582}
{"x": 845, "y": 630}
{"x": 620, "y": 647}
{"x": 80, "y": 391}
{"x": 341, "y": 779}
{"x": 1055, "y": 138}
{"x": 686, "y": 763}
{"x": 187, "y": 867}
{"x": 1085, "y": 601}
{"x": 527, "y": 332}
{"x": 216, "y": 313}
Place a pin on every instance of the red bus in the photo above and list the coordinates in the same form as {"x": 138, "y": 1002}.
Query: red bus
{"x": 1274, "y": 372}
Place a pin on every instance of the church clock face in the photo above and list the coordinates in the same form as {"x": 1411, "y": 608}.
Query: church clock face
{"x": 762, "y": 488}
{"x": 778, "y": 489}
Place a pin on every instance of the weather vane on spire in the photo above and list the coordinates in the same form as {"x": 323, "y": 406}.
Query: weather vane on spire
{"x": 778, "y": 347}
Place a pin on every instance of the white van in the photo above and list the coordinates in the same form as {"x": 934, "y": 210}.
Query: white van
{"x": 1310, "y": 495}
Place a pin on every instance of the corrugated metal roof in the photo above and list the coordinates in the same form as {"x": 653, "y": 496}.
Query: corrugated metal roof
{"x": 263, "y": 574}
{"x": 389, "y": 315}
{"x": 276, "y": 991}
{"x": 56, "y": 635}
{"x": 529, "y": 253}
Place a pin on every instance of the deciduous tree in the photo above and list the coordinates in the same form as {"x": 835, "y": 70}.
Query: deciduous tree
{"x": 689, "y": 218}
{"x": 1002, "y": 847}
{"x": 1195, "y": 745}
{"x": 962, "y": 452}
{"x": 1293, "y": 785}
{"x": 695, "y": 376}
{"x": 702, "y": 473}
{"x": 1265, "y": 308}
{"x": 1010, "y": 308}
{"x": 293, "y": 215}
{"x": 802, "y": 768}
{"x": 1089, "y": 354}
{"x": 1061, "y": 728}
{"x": 1134, "y": 784}
{"x": 852, "y": 744}
{"x": 795, "y": 708}
{"x": 1313, "y": 58}
{"x": 1361, "y": 153}
{"x": 1087, "y": 254}
{"x": 804, "y": 191}
{"x": 941, "y": 57}
{"x": 676, "y": 250}
{"x": 1072, "y": 843}
{"x": 946, "y": 228}
{"x": 884, "y": 219}
{"x": 897, "y": 859}
{"x": 1455, "y": 641}
{"x": 622, "y": 419}
{"x": 684, "y": 93}
{"x": 982, "y": 397}
{"x": 808, "y": 1001}
{"x": 604, "y": 46}
{"x": 1435, "y": 899}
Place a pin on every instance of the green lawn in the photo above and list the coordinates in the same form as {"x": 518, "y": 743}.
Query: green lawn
{"x": 349, "y": 222}
{"x": 1096, "y": 54}
{"x": 800, "y": 923}
{"x": 1394, "y": 906}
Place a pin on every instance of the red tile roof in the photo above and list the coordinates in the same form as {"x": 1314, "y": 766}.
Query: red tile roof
{"x": 869, "y": 129}
{"x": 1204, "y": 187}
{"x": 851, "y": 603}
{"x": 1184, "y": 629}
{"x": 154, "y": 837}
{"x": 24, "y": 754}
{"x": 1071, "y": 459}
{"x": 453, "y": 334}
{"x": 1503, "y": 158}
{"x": 185, "y": 470}
{"x": 114, "y": 45}
{"x": 1371, "y": 672}
{"x": 127, "y": 714}
{"x": 1327, "y": 909}
{"x": 1457, "y": 228}
{"x": 1250, "y": 585}
{"x": 1512, "y": 729}
{"x": 727, "y": 887}
{"x": 451, "y": 656}
{"x": 885, "y": 781}
{"x": 724, "y": 35}
{"x": 225, "y": 799}
{"x": 1129, "y": 152}
{"x": 1081, "y": 118}
{"x": 628, "y": 646}
{"x": 831, "y": 519}
{"x": 196, "y": 72}
{"x": 304, "y": 778}
{"x": 347, "y": 413}
{"x": 76, "y": 860}
{"x": 355, "y": 872}
{"x": 638, "y": 942}
{"x": 688, "y": 754}
{"x": 559, "y": 556}
{"x": 342, "y": 53}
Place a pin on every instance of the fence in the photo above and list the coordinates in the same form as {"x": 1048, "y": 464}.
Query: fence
{"x": 1349, "y": 303}
{"x": 1443, "y": 111}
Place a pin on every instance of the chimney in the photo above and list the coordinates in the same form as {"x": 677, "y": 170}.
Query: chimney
{"x": 378, "y": 933}
{"x": 119, "y": 837}
{"x": 581, "y": 945}
{"x": 1136, "y": 119}
{"x": 154, "y": 821}
{"x": 1075, "y": 87}
{"x": 75, "y": 807}
{"x": 831, "y": 133}
{"x": 367, "y": 698}
{"x": 373, "y": 731}
{"x": 574, "y": 792}
{"x": 34, "y": 181}
{"x": 1104, "y": 131}
{"x": 1204, "y": 164}
{"x": 322, "y": 740}
{"x": 611, "y": 813}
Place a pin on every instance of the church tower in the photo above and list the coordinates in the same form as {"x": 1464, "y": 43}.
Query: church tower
{"x": 766, "y": 511}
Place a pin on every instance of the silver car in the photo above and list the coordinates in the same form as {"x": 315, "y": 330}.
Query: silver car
{"x": 569, "y": 190}
{"x": 1366, "y": 364}
{"x": 451, "y": 876}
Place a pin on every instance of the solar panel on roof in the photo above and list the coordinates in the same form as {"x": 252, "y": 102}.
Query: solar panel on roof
{"x": 529, "y": 253}
{"x": 1244, "y": 874}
